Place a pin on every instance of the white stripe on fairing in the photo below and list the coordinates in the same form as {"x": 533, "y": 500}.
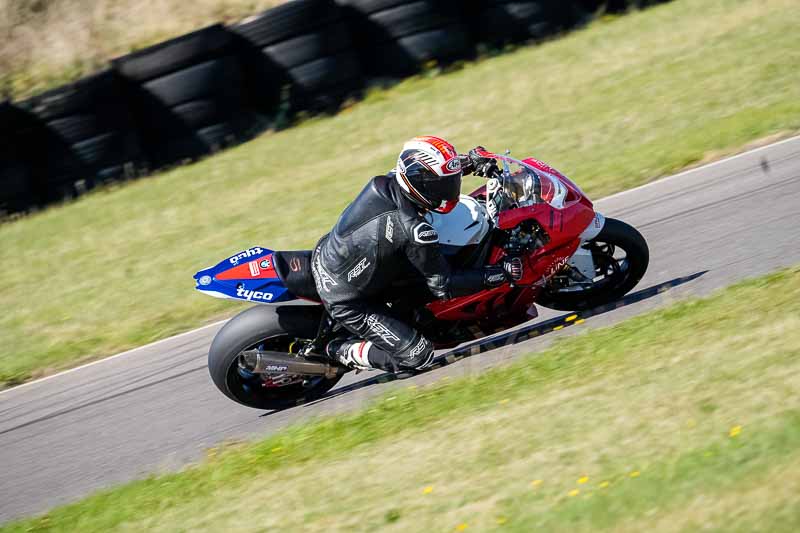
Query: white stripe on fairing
{"x": 616, "y": 195}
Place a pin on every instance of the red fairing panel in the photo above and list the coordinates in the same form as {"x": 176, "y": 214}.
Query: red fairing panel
{"x": 261, "y": 268}
{"x": 544, "y": 167}
{"x": 562, "y": 225}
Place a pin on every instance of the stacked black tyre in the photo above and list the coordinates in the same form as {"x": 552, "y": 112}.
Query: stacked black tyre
{"x": 17, "y": 151}
{"x": 617, "y": 6}
{"x": 188, "y": 95}
{"x": 400, "y": 37}
{"x": 304, "y": 45}
{"x": 501, "y": 22}
{"x": 83, "y": 135}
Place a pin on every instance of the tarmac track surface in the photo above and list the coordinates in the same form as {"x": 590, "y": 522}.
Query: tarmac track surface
{"x": 155, "y": 409}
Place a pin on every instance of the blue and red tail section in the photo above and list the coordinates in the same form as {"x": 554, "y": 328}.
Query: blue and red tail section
{"x": 249, "y": 276}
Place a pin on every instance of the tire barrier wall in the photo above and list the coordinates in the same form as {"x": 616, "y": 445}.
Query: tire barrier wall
{"x": 215, "y": 87}
{"x": 187, "y": 95}
{"x": 305, "y": 46}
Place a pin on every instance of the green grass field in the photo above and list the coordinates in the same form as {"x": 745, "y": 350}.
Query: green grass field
{"x": 615, "y": 105}
{"x": 678, "y": 420}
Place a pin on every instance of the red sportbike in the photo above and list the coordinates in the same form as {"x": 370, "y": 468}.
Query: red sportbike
{"x": 268, "y": 356}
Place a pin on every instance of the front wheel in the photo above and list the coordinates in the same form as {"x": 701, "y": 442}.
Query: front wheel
{"x": 284, "y": 329}
{"x": 620, "y": 256}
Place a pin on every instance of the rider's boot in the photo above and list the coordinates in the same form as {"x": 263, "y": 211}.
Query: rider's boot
{"x": 350, "y": 353}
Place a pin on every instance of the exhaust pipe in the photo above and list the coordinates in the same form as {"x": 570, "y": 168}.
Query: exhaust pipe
{"x": 265, "y": 362}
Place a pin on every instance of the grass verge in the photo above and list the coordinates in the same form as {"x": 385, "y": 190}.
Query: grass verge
{"x": 613, "y": 106}
{"x": 681, "y": 419}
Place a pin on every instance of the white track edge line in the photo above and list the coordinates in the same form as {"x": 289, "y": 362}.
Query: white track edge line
{"x": 615, "y": 195}
{"x": 110, "y": 357}
{"x": 682, "y": 173}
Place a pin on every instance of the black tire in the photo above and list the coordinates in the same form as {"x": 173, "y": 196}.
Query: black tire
{"x": 198, "y": 114}
{"x": 333, "y": 71}
{"x": 249, "y": 329}
{"x": 325, "y": 83}
{"x": 368, "y": 7}
{"x": 222, "y": 77}
{"x": 407, "y": 19}
{"x": 76, "y": 128}
{"x": 181, "y": 144}
{"x": 80, "y": 111}
{"x": 16, "y": 192}
{"x": 310, "y": 47}
{"x": 176, "y": 54}
{"x": 637, "y": 257}
{"x": 108, "y": 149}
{"x": 407, "y": 55}
{"x": 99, "y": 93}
{"x": 219, "y": 136}
{"x": 514, "y": 22}
{"x": 288, "y": 20}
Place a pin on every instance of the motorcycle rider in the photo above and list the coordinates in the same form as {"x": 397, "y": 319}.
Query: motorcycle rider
{"x": 379, "y": 237}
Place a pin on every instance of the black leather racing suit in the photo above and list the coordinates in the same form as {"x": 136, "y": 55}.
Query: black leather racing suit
{"x": 378, "y": 238}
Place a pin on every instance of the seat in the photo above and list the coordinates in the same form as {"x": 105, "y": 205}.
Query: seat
{"x": 294, "y": 269}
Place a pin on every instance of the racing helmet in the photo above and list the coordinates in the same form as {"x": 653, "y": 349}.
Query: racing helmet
{"x": 429, "y": 173}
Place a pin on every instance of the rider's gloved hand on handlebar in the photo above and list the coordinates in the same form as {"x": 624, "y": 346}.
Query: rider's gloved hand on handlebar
{"x": 510, "y": 270}
{"x": 472, "y": 163}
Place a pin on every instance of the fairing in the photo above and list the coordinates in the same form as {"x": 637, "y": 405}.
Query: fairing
{"x": 465, "y": 225}
{"x": 541, "y": 193}
{"x": 248, "y": 276}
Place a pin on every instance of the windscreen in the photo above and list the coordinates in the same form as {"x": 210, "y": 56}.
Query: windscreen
{"x": 527, "y": 186}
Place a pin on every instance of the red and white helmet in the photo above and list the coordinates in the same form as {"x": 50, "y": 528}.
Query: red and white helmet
{"x": 429, "y": 173}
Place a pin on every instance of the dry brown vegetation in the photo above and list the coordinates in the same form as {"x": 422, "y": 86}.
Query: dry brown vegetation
{"x": 46, "y": 42}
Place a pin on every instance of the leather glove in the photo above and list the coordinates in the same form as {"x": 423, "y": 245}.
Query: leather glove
{"x": 473, "y": 163}
{"x": 485, "y": 167}
{"x": 510, "y": 270}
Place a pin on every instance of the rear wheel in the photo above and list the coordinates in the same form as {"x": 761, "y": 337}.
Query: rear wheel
{"x": 620, "y": 256}
{"x": 284, "y": 329}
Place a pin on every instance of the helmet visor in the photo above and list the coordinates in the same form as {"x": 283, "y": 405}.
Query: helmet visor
{"x": 443, "y": 191}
